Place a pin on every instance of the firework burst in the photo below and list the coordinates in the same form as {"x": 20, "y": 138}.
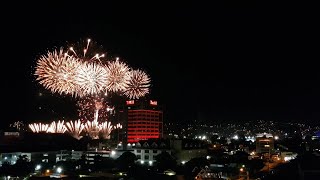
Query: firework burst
{"x": 87, "y": 53}
{"x": 106, "y": 129}
{"x": 75, "y": 128}
{"x": 88, "y": 105}
{"x": 91, "y": 78}
{"x": 56, "y": 71}
{"x": 19, "y": 125}
{"x": 118, "y": 76}
{"x": 38, "y": 127}
{"x": 58, "y": 127}
{"x": 138, "y": 84}
{"x": 92, "y": 128}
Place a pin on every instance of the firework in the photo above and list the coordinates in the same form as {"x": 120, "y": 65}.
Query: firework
{"x": 138, "y": 85}
{"x": 91, "y": 78}
{"x": 75, "y": 128}
{"x": 19, "y": 125}
{"x": 88, "y": 105}
{"x": 58, "y": 127}
{"x": 118, "y": 76}
{"x": 92, "y": 128}
{"x": 105, "y": 129}
{"x": 56, "y": 71}
{"x": 87, "y": 53}
{"x": 38, "y": 127}
{"x": 118, "y": 126}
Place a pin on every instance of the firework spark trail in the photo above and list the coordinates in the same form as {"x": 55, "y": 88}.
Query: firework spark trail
{"x": 91, "y": 78}
{"x": 106, "y": 129}
{"x": 75, "y": 128}
{"x": 92, "y": 128}
{"x": 118, "y": 76}
{"x": 138, "y": 84}
{"x": 38, "y": 127}
{"x": 88, "y": 105}
{"x": 118, "y": 126}
{"x": 19, "y": 125}
{"x": 86, "y": 56}
{"x": 58, "y": 127}
{"x": 56, "y": 71}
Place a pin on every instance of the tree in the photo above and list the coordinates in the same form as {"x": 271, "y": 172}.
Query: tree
{"x": 165, "y": 161}
{"x": 255, "y": 165}
{"x": 126, "y": 160}
{"x": 23, "y": 166}
{"x": 193, "y": 166}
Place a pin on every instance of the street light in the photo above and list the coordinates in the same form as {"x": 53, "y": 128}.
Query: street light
{"x": 38, "y": 167}
{"x": 59, "y": 170}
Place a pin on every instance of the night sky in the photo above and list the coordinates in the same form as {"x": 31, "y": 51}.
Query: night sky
{"x": 210, "y": 62}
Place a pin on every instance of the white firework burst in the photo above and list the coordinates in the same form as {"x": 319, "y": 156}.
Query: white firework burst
{"x": 56, "y": 71}
{"x": 106, "y": 129}
{"x": 75, "y": 128}
{"x": 38, "y": 127}
{"x": 92, "y": 129}
{"x": 138, "y": 85}
{"x": 91, "y": 78}
{"x": 58, "y": 127}
{"x": 118, "y": 76}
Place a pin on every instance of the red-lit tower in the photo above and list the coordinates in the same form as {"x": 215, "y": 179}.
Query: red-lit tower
{"x": 144, "y": 120}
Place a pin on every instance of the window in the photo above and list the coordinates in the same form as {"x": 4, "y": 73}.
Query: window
{"x": 146, "y": 151}
{"x": 139, "y": 156}
{"x": 146, "y": 157}
{"x": 138, "y": 151}
{"x": 155, "y": 151}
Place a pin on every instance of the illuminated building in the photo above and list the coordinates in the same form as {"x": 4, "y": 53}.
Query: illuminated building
{"x": 264, "y": 143}
{"x": 144, "y": 120}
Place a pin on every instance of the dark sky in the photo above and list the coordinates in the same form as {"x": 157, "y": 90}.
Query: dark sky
{"x": 211, "y": 62}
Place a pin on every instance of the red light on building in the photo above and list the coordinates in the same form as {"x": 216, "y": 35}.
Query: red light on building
{"x": 153, "y": 103}
{"x": 130, "y": 102}
{"x": 144, "y": 124}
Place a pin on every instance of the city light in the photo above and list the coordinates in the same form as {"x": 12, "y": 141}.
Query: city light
{"x": 113, "y": 153}
{"x": 59, "y": 170}
{"x": 38, "y": 167}
{"x": 236, "y": 137}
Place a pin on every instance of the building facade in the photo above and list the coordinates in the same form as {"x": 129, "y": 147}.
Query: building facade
{"x": 143, "y": 120}
{"x": 264, "y": 144}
